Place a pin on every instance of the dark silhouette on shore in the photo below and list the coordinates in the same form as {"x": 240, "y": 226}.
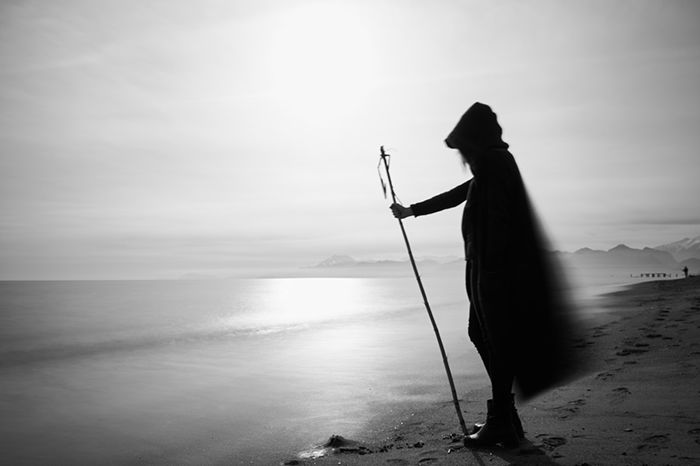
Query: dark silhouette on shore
{"x": 519, "y": 321}
{"x": 685, "y": 271}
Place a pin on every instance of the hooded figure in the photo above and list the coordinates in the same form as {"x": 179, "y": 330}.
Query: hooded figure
{"x": 519, "y": 320}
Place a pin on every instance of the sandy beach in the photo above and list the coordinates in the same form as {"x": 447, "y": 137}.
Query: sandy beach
{"x": 640, "y": 403}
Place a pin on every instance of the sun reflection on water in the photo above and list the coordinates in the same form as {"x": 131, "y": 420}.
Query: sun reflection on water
{"x": 288, "y": 303}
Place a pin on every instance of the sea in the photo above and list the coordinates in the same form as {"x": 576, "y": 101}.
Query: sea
{"x": 223, "y": 371}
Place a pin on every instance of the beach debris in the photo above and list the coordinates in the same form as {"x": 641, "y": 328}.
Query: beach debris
{"x": 454, "y": 437}
{"x": 336, "y": 441}
{"x": 314, "y": 453}
{"x": 335, "y": 444}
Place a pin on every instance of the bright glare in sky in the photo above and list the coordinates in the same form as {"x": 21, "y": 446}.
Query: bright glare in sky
{"x": 238, "y": 138}
{"x": 319, "y": 60}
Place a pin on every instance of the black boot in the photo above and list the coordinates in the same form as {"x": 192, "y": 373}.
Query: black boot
{"x": 498, "y": 428}
{"x": 515, "y": 419}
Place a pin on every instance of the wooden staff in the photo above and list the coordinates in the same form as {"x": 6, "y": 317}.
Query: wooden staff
{"x": 384, "y": 156}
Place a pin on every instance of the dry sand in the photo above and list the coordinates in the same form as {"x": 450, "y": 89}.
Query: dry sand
{"x": 640, "y": 404}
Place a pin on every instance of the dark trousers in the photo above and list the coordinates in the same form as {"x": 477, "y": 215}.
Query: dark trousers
{"x": 489, "y": 330}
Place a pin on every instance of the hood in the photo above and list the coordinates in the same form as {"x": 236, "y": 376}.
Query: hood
{"x": 479, "y": 125}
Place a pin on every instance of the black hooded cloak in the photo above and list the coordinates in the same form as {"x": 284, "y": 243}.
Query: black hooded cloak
{"x": 517, "y": 301}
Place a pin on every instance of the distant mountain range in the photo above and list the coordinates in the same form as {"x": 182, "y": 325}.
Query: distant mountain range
{"x": 663, "y": 258}
{"x": 623, "y": 257}
{"x": 687, "y": 248}
{"x": 670, "y": 257}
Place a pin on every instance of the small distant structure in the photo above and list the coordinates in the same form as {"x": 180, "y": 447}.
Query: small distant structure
{"x": 655, "y": 275}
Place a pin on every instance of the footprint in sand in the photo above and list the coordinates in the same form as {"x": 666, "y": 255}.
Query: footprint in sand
{"x": 580, "y": 343}
{"x": 628, "y": 351}
{"x": 569, "y": 409}
{"x": 397, "y": 461}
{"x": 566, "y": 411}
{"x": 696, "y": 434}
{"x": 604, "y": 376}
{"x": 530, "y": 449}
{"x": 551, "y": 442}
{"x": 428, "y": 460}
{"x": 619, "y": 394}
{"x": 654, "y": 443}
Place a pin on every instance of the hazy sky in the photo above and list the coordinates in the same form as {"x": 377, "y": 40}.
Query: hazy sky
{"x": 160, "y": 138}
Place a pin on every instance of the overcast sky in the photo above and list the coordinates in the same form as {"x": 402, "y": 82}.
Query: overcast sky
{"x": 152, "y": 139}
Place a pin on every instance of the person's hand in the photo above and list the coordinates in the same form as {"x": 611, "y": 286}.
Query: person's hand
{"x": 400, "y": 211}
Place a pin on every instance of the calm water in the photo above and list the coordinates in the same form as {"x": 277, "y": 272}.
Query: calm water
{"x": 224, "y": 372}
{"x": 207, "y": 372}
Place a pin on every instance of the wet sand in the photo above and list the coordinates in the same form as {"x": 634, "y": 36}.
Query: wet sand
{"x": 639, "y": 405}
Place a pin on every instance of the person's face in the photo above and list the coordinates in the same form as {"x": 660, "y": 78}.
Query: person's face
{"x": 468, "y": 152}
